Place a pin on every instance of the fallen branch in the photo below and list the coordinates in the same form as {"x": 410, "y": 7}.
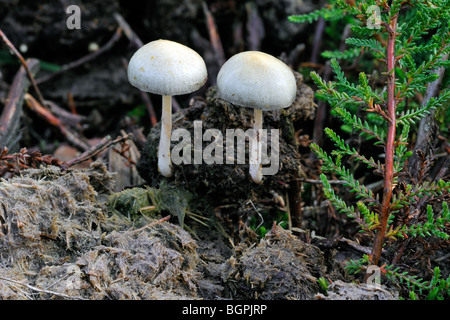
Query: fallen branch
{"x": 69, "y": 118}
{"x": 295, "y": 203}
{"x": 10, "y": 118}
{"x": 255, "y": 27}
{"x": 71, "y": 135}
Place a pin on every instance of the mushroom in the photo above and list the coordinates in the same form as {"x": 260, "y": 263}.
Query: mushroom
{"x": 166, "y": 68}
{"x": 260, "y": 81}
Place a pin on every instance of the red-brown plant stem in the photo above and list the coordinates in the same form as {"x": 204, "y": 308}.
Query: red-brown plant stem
{"x": 390, "y": 143}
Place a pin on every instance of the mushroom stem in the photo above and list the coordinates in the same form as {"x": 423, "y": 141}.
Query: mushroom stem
{"x": 164, "y": 161}
{"x": 255, "y": 152}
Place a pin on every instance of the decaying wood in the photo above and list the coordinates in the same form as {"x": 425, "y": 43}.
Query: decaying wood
{"x": 320, "y": 28}
{"x": 69, "y": 118}
{"x": 10, "y": 118}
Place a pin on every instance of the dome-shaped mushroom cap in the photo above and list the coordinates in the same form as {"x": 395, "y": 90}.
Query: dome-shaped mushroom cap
{"x": 166, "y": 67}
{"x": 257, "y": 80}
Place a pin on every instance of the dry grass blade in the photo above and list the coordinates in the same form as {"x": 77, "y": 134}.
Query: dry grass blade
{"x": 152, "y": 224}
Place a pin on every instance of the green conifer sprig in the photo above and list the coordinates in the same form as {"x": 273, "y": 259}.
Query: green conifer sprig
{"x": 342, "y": 55}
{"x": 412, "y": 38}
{"x": 412, "y": 115}
{"x": 432, "y": 227}
{"x": 372, "y": 44}
{"x": 328, "y": 13}
{"x": 366, "y": 219}
{"x": 352, "y": 152}
{"x": 434, "y": 289}
{"x": 401, "y": 152}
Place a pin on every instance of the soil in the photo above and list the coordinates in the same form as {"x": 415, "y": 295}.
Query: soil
{"x": 112, "y": 227}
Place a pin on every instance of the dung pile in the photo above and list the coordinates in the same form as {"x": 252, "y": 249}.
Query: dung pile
{"x": 152, "y": 263}
{"x": 65, "y": 235}
{"x": 58, "y": 240}
{"x": 281, "y": 266}
{"x": 229, "y": 181}
{"x": 47, "y": 215}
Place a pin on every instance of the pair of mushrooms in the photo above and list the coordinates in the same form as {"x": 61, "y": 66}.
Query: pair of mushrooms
{"x": 250, "y": 79}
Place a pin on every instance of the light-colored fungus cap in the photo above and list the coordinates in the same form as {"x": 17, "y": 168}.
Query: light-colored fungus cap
{"x": 166, "y": 67}
{"x": 257, "y": 80}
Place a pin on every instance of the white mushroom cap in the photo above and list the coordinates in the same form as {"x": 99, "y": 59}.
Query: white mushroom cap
{"x": 257, "y": 80}
{"x": 166, "y": 67}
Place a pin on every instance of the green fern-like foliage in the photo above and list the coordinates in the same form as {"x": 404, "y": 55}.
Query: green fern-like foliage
{"x": 421, "y": 44}
{"x": 437, "y": 288}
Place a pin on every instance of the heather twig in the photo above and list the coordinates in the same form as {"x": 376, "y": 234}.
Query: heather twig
{"x": 384, "y": 117}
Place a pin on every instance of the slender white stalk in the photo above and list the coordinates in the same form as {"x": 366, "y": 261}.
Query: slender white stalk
{"x": 164, "y": 161}
{"x": 255, "y": 152}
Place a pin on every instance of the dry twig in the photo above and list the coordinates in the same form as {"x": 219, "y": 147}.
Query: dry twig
{"x": 68, "y": 133}
{"x": 95, "y": 150}
{"x": 25, "y": 65}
